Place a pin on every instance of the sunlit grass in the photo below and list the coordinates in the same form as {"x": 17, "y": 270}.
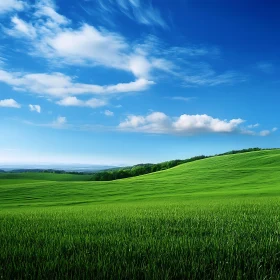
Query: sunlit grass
{"x": 217, "y": 218}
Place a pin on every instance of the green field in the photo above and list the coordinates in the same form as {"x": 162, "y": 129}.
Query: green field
{"x": 216, "y": 218}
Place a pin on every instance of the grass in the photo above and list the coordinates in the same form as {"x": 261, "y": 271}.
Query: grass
{"x": 217, "y": 218}
{"x": 34, "y": 176}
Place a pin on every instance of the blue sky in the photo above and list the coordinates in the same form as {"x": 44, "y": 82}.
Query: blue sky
{"x": 129, "y": 81}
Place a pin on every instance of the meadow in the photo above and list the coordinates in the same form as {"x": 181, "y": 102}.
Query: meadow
{"x": 216, "y": 218}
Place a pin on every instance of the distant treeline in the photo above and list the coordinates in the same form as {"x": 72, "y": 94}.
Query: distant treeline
{"x": 131, "y": 171}
{"x": 241, "y": 151}
{"x": 54, "y": 171}
{"x": 141, "y": 169}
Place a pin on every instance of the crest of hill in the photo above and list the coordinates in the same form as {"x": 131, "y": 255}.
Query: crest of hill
{"x": 253, "y": 174}
{"x": 141, "y": 169}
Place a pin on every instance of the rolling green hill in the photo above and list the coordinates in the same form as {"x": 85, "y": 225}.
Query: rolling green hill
{"x": 43, "y": 176}
{"x": 216, "y": 218}
{"x": 254, "y": 173}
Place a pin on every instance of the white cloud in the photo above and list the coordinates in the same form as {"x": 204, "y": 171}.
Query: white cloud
{"x": 265, "y": 132}
{"x": 108, "y": 113}
{"x": 262, "y": 133}
{"x": 158, "y": 122}
{"x": 140, "y": 66}
{"x": 138, "y": 85}
{"x": 89, "y": 45}
{"x": 268, "y": 132}
{"x": 74, "y": 101}
{"x": 99, "y": 47}
{"x": 60, "y": 122}
{"x": 21, "y": 29}
{"x": 46, "y": 8}
{"x": 181, "y": 98}
{"x": 11, "y": 5}
{"x": 36, "y": 108}
{"x": 205, "y": 123}
{"x": 253, "y": 125}
{"x": 11, "y": 103}
{"x": 70, "y": 101}
{"x": 60, "y": 85}
{"x": 52, "y": 36}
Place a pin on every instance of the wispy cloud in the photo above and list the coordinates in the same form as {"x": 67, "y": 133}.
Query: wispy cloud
{"x": 21, "y": 29}
{"x": 108, "y": 113}
{"x": 59, "y": 123}
{"x": 35, "y": 108}
{"x": 182, "y": 98}
{"x": 213, "y": 79}
{"x": 265, "y": 132}
{"x": 74, "y": 101}
{"x": 142, "y": 12}
{"x": 7, "y": 6}
{"x": 51, "y": 35}
{"x": 10, "y": 103}
{"x": 60, "y": 85}
{"x": 268, "y": 132}
{"x": 253, "y": 125}
{"x": 47, "y": 9}
{"x": 194, "y": 51}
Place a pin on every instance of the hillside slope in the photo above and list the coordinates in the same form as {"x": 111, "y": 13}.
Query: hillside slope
{"x": 254, "y": 174}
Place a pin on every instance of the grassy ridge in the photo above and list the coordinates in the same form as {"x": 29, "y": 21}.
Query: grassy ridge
{"x": 218, "y": 218}
{"x": 254, "y": 173}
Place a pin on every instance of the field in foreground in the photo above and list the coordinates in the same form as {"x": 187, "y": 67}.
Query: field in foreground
{"x": 217, "y": 218}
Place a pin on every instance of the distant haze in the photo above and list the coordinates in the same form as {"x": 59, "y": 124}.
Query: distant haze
{"x": 66, "y": 167}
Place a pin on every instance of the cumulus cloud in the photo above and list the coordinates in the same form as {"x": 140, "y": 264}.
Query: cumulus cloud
{"x": 7, "y": 6}
{"x": 108, "y": 113}
{"x": 74, "y": 101}
{"x": 159, "y": 122}
{"x": 60, "y": 85}
{"x": 11, "y": 103}
{"x": 36, "y": 108}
